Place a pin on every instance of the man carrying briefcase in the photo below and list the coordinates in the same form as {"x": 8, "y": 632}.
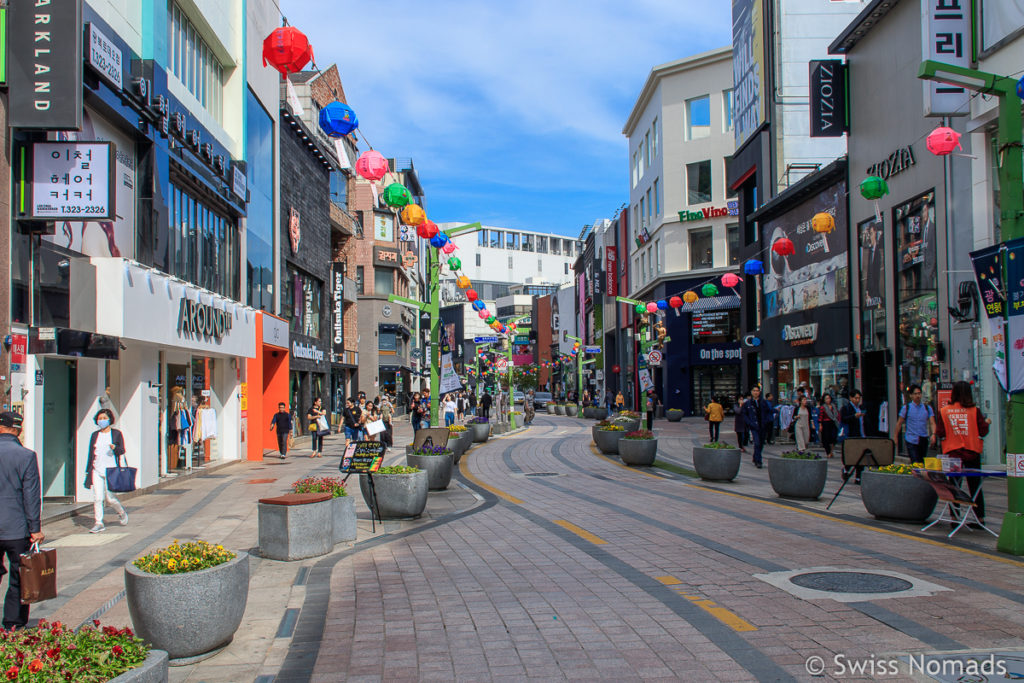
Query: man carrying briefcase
{"x": 20, "y": 509}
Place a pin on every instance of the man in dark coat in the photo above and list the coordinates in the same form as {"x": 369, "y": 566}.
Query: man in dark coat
{"x": 757, "y": 416}
{"x": 852, "y": 417}
{"x": 20, "y": 510}
{"x": 485, "y": 405}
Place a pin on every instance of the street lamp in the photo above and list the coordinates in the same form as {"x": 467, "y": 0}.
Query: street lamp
{"x": 1011, "y": 200}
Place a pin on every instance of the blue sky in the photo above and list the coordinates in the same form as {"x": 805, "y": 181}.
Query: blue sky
{"x": 512, "y": 111}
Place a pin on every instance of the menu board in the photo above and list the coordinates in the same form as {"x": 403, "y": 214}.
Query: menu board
{"x": 711, "y": 326}
{"x": 363, "y": 456}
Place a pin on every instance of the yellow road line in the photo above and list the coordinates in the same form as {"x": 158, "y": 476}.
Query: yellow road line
{"x": 498, "y": 492}
{"x": 601, "y": 455}
{"x": 727, "y": 617}
{"x": 668, "y": 580}
{"x": 582, "y": 533}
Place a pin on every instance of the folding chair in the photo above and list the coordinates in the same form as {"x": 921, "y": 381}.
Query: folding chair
{"x": 951, "y": 496}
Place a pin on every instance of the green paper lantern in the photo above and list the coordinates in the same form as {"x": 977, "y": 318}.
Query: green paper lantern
{"x": 396, "y": 195}
{"x": 490, "y": 320}
{"x": 454, "y": 263}
{"x": 873, "y": 188}
{"x": 640, "y": 308}
{"x": 709, "y": 290}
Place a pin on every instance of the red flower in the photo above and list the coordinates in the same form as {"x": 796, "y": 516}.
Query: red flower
{"x": 96, "y": 623}
{"x": 12, "y": 673}
{"x": 53, "y": 653}
{"x": 35, "y": 665}
{"x": 118, "y": 650}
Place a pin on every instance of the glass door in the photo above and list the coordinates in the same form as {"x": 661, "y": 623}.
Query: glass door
{"x": 59, "y": 426}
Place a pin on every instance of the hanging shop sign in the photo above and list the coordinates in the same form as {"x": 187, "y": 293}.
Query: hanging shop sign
{"x": 897, "y": 162}
{"x": 307, "y": 352}
{"x": 946, "y": 37}
{"x": 611, "y": 275}
{"x": 798, "y": 335}
{"x": 45, "y": 59}
{"x": 337, "y": 302}
{"x": 748, "y": 68}
{"x": 384, "y": 256}
{"x": 73, "y": 181}
{"x": 201, "y": 321}
{"x": 3, "y": 46}
{"x": 828, "y": 98}
{"x": 104, "y": 57}
{"x": 732, "y": 209}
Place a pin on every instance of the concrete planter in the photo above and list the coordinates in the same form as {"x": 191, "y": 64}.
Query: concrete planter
{"x": 459, "y": 442}
{"x": 638, "y": 452}
{"x": 500, "y": 428}
{"x": 592, "y": 413}
{"x": 631, "y": 424}
{"x": 607, "y": 441}
{"x": 399, "y": 496}
{"x": 344, "y": 508}
{"x": 560, "y": 410}
{"x": 797, "y": 477}
{"x": 571, "y": 409}
{"x": 193, "y": 615}
{"x": 480, "y": 430}
{"x": 900, "y": 497}
{"x": 550, "y": 408}
{"x": 437, "y": 467}
{"x": 716, "y": 464}
{"x": 674, "y": 415}
{"x": 154, "y": 669}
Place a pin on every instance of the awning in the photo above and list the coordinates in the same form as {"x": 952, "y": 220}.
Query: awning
{"x": 711, "y": 303}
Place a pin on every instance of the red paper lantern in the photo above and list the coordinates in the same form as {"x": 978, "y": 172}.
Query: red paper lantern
{"x": 784, "y": 247}
{"x": 730, "y": 280}
{"x": 675, "y": 302}
{"x": 616, "y": 369}
{"x": 472, "y": 295}
{"x": 371, "y": 165}
{"x": 287, "y": 49}
{"x": 942, "y": 141}
{"x": 427, "y": 229}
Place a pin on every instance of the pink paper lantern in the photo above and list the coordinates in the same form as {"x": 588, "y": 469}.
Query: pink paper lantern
{"x": 652, "y": 307}
{"x": 484, "y": 314}
{"x": 448, "y": 248}
{"x": 730, "y": 280}
{"x": 371, "y": 165}
{"x": 942, "y": 141}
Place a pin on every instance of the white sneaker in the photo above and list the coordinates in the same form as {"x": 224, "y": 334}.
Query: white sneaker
{"x": 123, "y": 518}
{"x": 98, "y": 528}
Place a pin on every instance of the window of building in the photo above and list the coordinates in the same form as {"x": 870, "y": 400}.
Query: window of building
{"x": 556, "y": 246}
{"x": 999, "y": 20}
{"x": 636, "y": 224}
{"x": 204, "y": 243}
{"x": 540, "y": 265}
{"x": 339, "y": 189}
{"x": 647, "y": 148}
{"x": 383, "y": 281}
{"x": 566, "y": 268}
{"x": 657, "y": 257}
{"x": 512, "y": 240}
{"x": 657, "y": 199}
{"x": 643, "y": 266}
{"x": 701, "y": 251}
{"x": 361, "y": 279}
{"x": 478, "y": 260}
{"x": 698, "y": 182}
{"x": 654, "y": 138}
{"x": 194, "y": 63}
{"x": 481, "y": 238}
{"x": 633, "y": 170}
{"x": 301, "y": 302}
{"x": 510, "y": 263}
{"x": 527, "y": 242}
{"x": 259, "y": 251}
{"x": 698, "y": 118}
{"x": 727, "y": 111}
{"x": 542, "y": 245}
{"x": 643, "y": 213}
{"x": 727, "y": 165}
{"x": 732, "y": 238}
{"x": 650, "y": 206}
{"x": 387, "y": 341}
{"x": 497, "y": 239}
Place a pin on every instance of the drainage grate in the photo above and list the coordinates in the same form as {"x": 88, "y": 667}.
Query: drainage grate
{"x": 851, "y": 582}
{"x": 541, "y": 474}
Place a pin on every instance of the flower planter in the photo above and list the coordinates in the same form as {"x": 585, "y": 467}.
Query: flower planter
{"x": 193, "y": 615}
{"x": 674, "y": 415}
{"x": 559, "y": 410}
{"x": 716, "y": 464}
{"x": 797, "y": 477}
{"x": 631, "y": 424}
{"x": 607, "y": 441}
{"x": 900, "y": 497}
{"x": 550, "y": 408}
{"x": 638, "y": 452}
{"x": 399, "y": 496}
{"x": 571, "y": 409}
{"x": 480, "y": 431}
{"x": 344, "y": 508}
{"x": 154, "y": 669}
{"x": 437, "y": 467}
{"x": 459, "y": 442}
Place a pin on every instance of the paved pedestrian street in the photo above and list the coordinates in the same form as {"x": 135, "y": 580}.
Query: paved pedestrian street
{"x": 547, "y": 561}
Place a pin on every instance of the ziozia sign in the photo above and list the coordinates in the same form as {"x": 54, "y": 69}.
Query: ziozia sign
{"x": 202, "y": 321}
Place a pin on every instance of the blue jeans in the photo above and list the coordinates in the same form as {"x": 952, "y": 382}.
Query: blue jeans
{"x": 449, "y": 419}
{"x": 352, "y": 433}
{"x": 318, "y": 441}
{"x": 758, "y": 438}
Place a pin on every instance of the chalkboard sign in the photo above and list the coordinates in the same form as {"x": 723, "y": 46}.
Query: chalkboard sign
{"x": 431, "y": 436}
{"x": 363, "y": 456}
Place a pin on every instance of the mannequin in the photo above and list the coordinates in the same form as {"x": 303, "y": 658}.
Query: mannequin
{"x": 179, "y": 429}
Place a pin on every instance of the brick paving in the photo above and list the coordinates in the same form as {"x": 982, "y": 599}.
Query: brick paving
{"x": 598, "y": 572}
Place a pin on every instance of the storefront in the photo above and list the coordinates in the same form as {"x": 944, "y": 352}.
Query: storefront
{"x": 265, "y": 384}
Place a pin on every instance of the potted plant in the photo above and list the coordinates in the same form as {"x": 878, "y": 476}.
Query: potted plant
{"x": 628, "y": 419}
{"x": 459, "y": 439}
{"x": 559, "y": 409}
{"x": 188, "y": 598}
{"x": 606, "y": 436}
{"x": 436, "y": 461}
{"x": 798, "y": 474}
{"x": 401, "y": 492}
{"x": 571, "y": 409}
{"x": 674, "y": 414}
{"x": 717, "y": 461}
{"x": 51, "y": 651}
{"x": 481, "y": 429}
{"x": 638, "y": 448}
{"x": 344, "y": 506}
{"x": 893, "y": 492}
{"x": 550, "y": 405}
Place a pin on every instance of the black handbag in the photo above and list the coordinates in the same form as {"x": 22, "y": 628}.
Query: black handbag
{"x": 121, "y": 479}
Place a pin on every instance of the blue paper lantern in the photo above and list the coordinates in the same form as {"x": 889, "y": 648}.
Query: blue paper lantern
{"x": 1020, "y": 87}
{"x": 662, "y": 304}
{"x": 338, "y": 120}
{"x": 439, "y": 240}
{"x": 478, "y": 306}
{"x": 753, "y": 267}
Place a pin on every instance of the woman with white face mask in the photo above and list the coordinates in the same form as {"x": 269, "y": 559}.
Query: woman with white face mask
{"x": 106, "y": 446}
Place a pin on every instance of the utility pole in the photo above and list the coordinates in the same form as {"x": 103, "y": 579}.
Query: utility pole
{"x": 510, "y": 368}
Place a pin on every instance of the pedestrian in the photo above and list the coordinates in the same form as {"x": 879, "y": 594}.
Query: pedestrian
{"x": 449, "y": 410}
{"x": 485, "y": 406}
{"x": 472, "y": 403}
{"x": 919, "y": 419}
{"x": 387, "y": 413}
{"x": 282, "y": 422}
{"x": 460, "y": 406}
{"x": 962, "y": 427}
{"x": 828, "y": 417}
{"x": 852, "y": 417}
{"x": 106, "y": 446}
{"x": 802, "y": 424}
{"x": 650, "y": 404}
{"x": 351, "y": 421}
{"x": 714, "y": 413}
{"x": 415, "y": 415}
{"x": 609, "y": 402}
{"x": 757, "y": 416}
{"x": 371, "y": 414}
{"x": 739, "y": 425}
{"x": 317, "y": 419}
{"x": 20, "y": 511}
{"x": 620, "y": 402}
{"x": 769, "y": 437}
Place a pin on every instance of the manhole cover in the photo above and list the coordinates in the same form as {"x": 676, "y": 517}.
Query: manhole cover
{"x": 851, "y": 582}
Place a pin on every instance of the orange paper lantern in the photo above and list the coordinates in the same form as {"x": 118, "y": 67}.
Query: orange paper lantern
{"x": 413, "y": 215}
{"x": 690, "y": 297}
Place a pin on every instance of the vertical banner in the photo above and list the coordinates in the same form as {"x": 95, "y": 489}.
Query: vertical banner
{"x": 449, "y": 380}
{"x": 337, "y": 306}
{"x": 1015, "y": 314}
{"x": 611, "y": 264}
{"x": 946, "y": 37}
{"x": 828, "y": 98}
{"x": 989, "y": 274}
{"x": 748, "y": 68}
{"x": 44, "y": 54}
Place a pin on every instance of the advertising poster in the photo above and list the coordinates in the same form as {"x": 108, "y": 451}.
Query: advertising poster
{"x": 449, "y": 379}
{"x": 747, "y": 68}
{"x": 988, "y": 273}
{"x": 915, "y": 245}
{"x": 1015, "y": 313}
{"x": 817, "y": 274}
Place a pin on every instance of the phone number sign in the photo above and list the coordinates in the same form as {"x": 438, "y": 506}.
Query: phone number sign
{"x": 73, "y": 181}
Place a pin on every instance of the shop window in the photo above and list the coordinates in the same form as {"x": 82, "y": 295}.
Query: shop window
{"x": 698, "y": 182}
{"x": 732, "y": 238}
{"x": 383, "y": 281}
{"x": 871, "y": 238}
{"x": 698, "y": 118}
{"x": 916, "y": 293}
{"x": 701, "y": 250}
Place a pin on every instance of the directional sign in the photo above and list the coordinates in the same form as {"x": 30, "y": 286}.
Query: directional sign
{"x": 654, "y": 357}
{"x": 486, "y": 340}
{"x": 591, "y": 349}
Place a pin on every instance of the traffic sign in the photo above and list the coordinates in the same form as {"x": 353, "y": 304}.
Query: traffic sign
{"x": 501, "y": 364}
{"x": 591, "y": 349}
{"x": 485, "y": 340}
{"x": 654, "y": 357}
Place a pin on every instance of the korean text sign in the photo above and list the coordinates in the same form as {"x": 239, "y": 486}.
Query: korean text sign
{"x": 73, "y": 180}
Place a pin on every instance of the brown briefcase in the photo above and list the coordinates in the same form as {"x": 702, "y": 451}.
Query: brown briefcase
{"x": 38, "y": 573}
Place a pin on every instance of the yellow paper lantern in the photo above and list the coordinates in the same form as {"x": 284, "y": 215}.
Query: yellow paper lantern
{"x": 823, "y": 222}
{"x": 413, "y": 215}
{"x": 690, "y": 297}
{"x": 462, "y": 281}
